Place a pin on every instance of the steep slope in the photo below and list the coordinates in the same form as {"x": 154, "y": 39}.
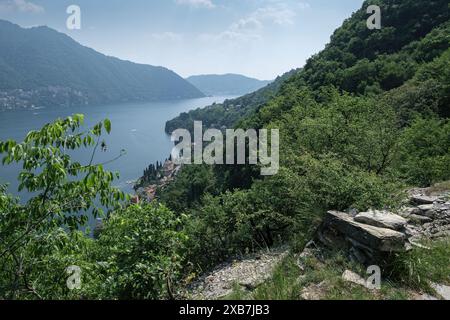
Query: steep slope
{"x": 54, "y": 69}
{"x": 226, "y": 84}
{"x": 357, "y": 124}
{"x": 357, "y": 60}
{"x": 228, "y": 113}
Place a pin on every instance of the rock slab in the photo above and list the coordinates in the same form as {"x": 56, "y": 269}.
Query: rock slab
{"x": 382, "y": 219}
{"x": 380, "y": 239}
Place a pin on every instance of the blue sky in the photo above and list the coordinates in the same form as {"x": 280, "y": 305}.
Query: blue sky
{"x": 259, "y": 38}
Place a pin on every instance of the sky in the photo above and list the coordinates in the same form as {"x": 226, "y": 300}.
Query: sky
{"x": 257, "y": 38}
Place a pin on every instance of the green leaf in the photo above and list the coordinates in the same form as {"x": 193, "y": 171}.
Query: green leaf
{"x": 107, "y": 124}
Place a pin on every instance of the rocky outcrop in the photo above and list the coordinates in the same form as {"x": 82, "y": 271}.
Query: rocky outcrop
{"x": 370, "y": 236}
{"x": 375, "y": 238}
{"x": 423, "y": 199}
{"x": 382, "y": 219}
{"x": 425, "y": 219}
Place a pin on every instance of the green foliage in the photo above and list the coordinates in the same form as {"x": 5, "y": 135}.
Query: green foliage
{"x": 139, "y": 254}
{"x": 64, "y": 193}
{"x": 283, "y": 285}
{"x": 189, "y": 187}
{"x": 425, "y": 152}
{"x": 348, "y": 139}
{"x": 230, "y": 112}
{"x": 364, "y": 118}
{"x": 364, "y": 61}
{"x": 421, "y": 265}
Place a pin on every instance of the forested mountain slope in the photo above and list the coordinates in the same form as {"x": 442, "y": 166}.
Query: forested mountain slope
{"x": 50, "y": 68}
{"x": 363, "y": 121}
{"x": 228, "y": 113}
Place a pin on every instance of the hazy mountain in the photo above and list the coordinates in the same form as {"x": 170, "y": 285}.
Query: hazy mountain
{"x": 228, "y": 113}
{"x": 44, "y": 67}
{"x": 227, "y": 84}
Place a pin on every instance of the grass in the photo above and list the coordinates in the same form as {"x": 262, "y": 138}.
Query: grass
{"x": 418, "y": 267}
{"x": 439, "y": 188}
{"x": 408, "y": 273}
{"x": 283, "y": 285}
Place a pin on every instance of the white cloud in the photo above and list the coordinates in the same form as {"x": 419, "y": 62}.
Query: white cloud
{"x": 251, "y": 26}
{"x": 197, "y": 3}
{"x": 20, "y": 6}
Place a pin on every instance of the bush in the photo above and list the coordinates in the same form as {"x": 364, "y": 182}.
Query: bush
{"x": 141, "y": 254}
{"x": 425, "y": 152}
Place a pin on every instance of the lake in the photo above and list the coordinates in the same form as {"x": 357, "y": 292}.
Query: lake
{"x": 136, "y": 127}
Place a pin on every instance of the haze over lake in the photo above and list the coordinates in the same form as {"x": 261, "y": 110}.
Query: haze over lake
{"x": 137, "y": 128}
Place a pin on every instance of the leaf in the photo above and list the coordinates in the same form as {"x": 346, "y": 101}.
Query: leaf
{"x": 107, "y": 124}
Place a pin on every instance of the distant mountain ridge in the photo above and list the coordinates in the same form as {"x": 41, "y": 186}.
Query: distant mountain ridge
{"x": 228, "y": 113}
{"x": 45, "y": 67}
{"x": 226, "y": 84}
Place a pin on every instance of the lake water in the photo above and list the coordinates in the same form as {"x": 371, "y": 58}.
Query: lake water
{"x": 136, "y": 127}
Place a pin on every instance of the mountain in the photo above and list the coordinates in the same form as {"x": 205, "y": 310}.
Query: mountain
{"x": 226, "y": 84}
{"x": 228, "y": 113}
{"x": 364, "y": 119}
{"x": 361, "y": 62}
{"x": 41, "y": 66}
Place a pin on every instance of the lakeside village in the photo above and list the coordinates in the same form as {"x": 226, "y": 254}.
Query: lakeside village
{"x": 15, "y": 99}
{"x": 156, "y": 176}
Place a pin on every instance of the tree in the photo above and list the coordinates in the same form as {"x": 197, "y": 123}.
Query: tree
{"x": 65, "y": 192}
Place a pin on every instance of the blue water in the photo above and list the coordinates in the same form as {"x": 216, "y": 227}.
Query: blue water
{"x": 136, "y": 127}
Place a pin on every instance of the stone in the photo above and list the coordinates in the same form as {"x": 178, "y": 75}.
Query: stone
{"x": 428, "y": 210}
{"x": 358, "y": 255}
{"x": 418, "y": 219}
{"x": 441, "y": 290}
{"x": 382, "y": 219}
{"x": 426, "y": 207}
{"x": 420, "y": 199}
{"x": 406, "y": 212}
{"x": 442, "y": 207}
{"x": 380, "y": 239}
{"x": 353, "y": 277}
{"x": 314, "y": 291}
{"x": 424, "y": 297}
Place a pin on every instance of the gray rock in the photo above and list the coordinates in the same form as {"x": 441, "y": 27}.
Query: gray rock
{"x": 426, "y": 207}
{"x": 382, "y": 219}
{"x": 425, "y": 297}
{"x": 406, "y": 212}
{"x": 355, "y": 278}
{"x": 421, "y": 199}
{"x": 441, "y": 290}
{"x": 358, "y": 255}
{"x": 442, "y": 207}
{"x": 419, "y": 219}
{"x": 314, "y": 291}
{"x": 380, "y": 239}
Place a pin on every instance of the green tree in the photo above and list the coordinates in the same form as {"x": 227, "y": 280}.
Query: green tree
{"x": 64, "y": 193}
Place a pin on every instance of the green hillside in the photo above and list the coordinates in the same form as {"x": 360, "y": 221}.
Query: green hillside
{"x": 363, "y": 121}
{"x": 44, "y": 60}
{"x": 358, "y": 124}
{"x": 228, "y": 113}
